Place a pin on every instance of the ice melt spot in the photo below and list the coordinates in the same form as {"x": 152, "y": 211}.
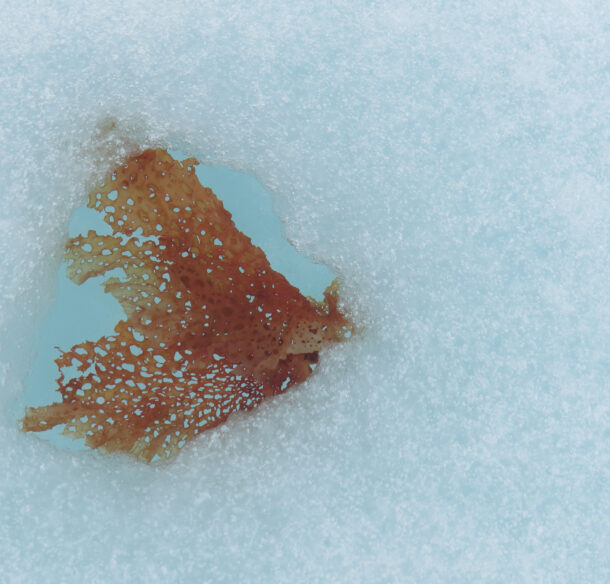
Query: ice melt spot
{"x": 239, "y": 353}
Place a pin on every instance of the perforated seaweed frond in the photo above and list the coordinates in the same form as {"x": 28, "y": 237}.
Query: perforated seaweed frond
{"x": 210, "y": 328}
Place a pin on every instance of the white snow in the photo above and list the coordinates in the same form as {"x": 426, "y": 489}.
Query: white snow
{"x": 449, "y": 160}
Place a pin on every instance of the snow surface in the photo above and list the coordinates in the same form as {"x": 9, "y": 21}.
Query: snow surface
{"x": 449, "y": 160}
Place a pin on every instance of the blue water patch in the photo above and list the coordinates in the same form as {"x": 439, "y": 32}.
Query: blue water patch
{"x": 87, "y": 312}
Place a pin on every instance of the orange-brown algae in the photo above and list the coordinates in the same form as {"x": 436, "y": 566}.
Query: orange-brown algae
{"x": 210, "y": 327}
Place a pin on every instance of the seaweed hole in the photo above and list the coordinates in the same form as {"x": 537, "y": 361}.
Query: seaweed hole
{"x": 228, "y": 338}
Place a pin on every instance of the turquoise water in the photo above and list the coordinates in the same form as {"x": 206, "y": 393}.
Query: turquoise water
{"x": 86, "y": 312}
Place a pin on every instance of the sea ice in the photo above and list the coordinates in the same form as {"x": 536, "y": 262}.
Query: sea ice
{"x": 449, "y": 161}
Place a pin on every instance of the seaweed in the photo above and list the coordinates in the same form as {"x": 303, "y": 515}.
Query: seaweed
{"x": 210, "y": 327}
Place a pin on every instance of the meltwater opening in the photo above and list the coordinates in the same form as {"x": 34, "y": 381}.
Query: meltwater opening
{"x": 171, "y": 313}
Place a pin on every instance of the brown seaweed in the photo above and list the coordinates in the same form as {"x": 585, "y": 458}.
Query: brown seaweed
{"x": 210, "y": 327}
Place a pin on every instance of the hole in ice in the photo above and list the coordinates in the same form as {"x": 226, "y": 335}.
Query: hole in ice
{"x": 207, "y": 324}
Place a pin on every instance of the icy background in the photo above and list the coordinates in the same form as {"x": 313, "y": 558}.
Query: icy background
{"x": 450, "y": 161}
